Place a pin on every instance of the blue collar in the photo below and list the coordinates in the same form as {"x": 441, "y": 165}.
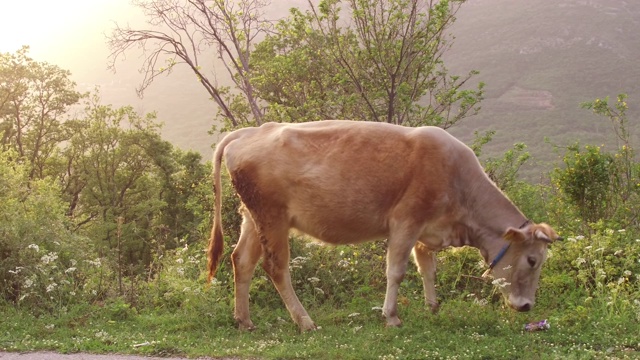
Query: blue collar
{"x": 499, "y": 256}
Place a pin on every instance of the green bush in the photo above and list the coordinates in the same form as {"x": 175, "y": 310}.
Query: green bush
{"x": 43, "y": 265}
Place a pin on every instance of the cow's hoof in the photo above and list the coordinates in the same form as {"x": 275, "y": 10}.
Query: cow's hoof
{"x": 246, "y": 325}
{"x": 394, "y": 322}
{"x": 306, "y": 324}
{"x": 435, "y": 308}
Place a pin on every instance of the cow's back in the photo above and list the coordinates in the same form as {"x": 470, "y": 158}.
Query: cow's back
{"x": 342, "y": 181}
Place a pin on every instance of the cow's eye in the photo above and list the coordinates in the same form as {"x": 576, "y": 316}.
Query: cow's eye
{"x": 532, "y": 261}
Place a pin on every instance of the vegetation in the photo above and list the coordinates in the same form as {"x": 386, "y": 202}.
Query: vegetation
{"x": 383, "y": 62}
{"x": 103, "y": 224}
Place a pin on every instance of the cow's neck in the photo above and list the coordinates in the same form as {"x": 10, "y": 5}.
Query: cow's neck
{"x": 493, "y": 213}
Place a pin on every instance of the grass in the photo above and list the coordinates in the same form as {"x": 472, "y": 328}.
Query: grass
{"x": 203, "y": 326}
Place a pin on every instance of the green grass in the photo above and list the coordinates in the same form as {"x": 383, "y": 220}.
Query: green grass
{"x": 461, "y": 330}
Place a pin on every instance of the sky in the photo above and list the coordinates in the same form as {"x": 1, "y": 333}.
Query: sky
{"x": 60, "y": 31}
{"x": 71, "y": 34}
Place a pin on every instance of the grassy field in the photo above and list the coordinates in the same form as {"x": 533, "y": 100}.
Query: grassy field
{"x": 465, "y": 328}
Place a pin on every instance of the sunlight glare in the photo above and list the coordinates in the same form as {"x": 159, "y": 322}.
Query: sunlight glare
{"x": 41, "y": 23}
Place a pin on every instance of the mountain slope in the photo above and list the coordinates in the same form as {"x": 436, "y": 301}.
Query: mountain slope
{"x": 540, "y": 60}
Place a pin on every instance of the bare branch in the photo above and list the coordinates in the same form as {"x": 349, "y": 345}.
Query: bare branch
{"x": 188, "y": 32}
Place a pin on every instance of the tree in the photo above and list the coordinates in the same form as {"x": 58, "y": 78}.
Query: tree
{"x": 34, "y": 98}
{"x": 383, "y": 63}
{"x": 187, "y": 32}
{"x": 111, "y": 183}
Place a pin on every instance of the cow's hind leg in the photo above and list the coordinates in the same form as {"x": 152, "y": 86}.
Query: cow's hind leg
{"x": 245, "y": 258}
{"x": 426, "y": 262}
{"x": 275, "y": 246}
{"x": 398, "y": 252}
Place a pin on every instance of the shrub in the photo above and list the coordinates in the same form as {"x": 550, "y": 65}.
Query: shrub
{"x": 42, "y": 263}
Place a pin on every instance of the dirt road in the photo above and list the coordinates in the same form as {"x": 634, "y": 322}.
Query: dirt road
{"x": 56, "y": 356}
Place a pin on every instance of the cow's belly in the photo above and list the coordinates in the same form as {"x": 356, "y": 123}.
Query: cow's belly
{"x": 336, "y": 227}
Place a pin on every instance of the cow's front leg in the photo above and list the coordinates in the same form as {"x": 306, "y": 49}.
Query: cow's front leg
{"x": 426, "y": 261}
{"x": 398, "y": 253}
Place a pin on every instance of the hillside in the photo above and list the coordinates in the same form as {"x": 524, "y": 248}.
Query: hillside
{"x": 540, "y": 60}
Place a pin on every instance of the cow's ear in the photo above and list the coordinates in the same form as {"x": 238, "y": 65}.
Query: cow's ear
{"x": 542, "y": 236}
{"x": 515, "y": 235}
{"x": 545, "y": 233}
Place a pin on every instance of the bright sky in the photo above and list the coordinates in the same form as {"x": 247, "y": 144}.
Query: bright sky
{"x": 47, "y": 25}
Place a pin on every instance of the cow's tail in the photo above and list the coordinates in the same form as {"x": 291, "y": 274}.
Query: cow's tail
{"x": 216, "y": 242}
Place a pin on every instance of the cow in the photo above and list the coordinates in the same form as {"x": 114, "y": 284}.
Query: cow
{"x": 347, "y": 182}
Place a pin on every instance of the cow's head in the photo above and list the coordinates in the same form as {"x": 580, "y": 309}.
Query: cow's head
{"x": 518, "y": 271}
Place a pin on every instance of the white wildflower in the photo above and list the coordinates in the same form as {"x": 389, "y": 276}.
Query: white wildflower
{"x": 49, "y": 327}
{"x": 319, "y": 291}
{"x": 51, "y": 287}
{"x": 579, "y": 237}
{"x": 180, "y": 261}
{"x": 298, "y": 261}
{"x": 501, "y": 282}
{"x": 580, "y": 261}
{"x": 313, "y": 280}
{"x": 571, "y": 239}
{"x": 622, "y": 231}
{"x": 70, "y": 270}
{"x": 95, "y": 262}
{"x": 618, "y": 252}
{"x": 626, "y": 273}
{"x": 28, "y": 283}
{"x": 34, "y": 247}
{"x": 353, "y": 314}
{"x": 49, "y": 258}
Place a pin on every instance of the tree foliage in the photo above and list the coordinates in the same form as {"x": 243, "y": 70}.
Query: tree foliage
{"x": 104, "y": 175}
{"x": 34, "y": 98}
{"x": 382, "y": 62}
{"x": 376, "y": 60}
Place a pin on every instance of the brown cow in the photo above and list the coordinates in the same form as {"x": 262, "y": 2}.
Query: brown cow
{"x": 346, "y": 182}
